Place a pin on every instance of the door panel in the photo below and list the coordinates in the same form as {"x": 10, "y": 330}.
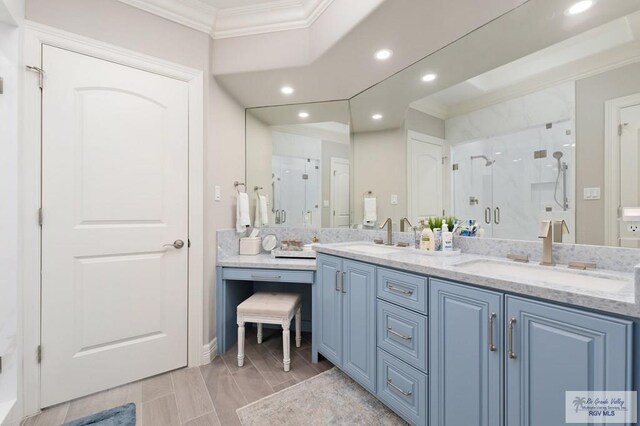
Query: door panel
{"x": 340, "y": 183}
{"x": 359, "y": 339}
{"x": 328, "y": 299}
{"x": 557, "y": 350}
{"x": 466, "y": 374}
{"x": 425, "y": 179}
{"x": 629, "y": 171}
{"x": 114, "y": 173}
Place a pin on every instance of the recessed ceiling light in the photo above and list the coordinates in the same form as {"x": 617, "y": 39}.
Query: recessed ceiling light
{"x": 376, "y": 116}
{"x": 287, "y": 90}
{"x": 383, "y": 54}
{"x": 429, "y": 77}
{"x": 303, "y": 114}
{"x": 580, "y": 7}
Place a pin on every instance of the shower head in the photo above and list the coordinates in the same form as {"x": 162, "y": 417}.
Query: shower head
{"x": 484, "y": 157}
{"x": 558, "y": 155}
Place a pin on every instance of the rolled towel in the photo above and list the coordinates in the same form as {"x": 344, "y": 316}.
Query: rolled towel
{"x": 370, "y": 210}
{"x": 242, "y": 212}
{"x": 264, "y": 212}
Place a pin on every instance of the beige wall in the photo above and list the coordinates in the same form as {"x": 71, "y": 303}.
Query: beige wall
{"x": 114, "y": 22}
{"x": 424, "y": 123}
{"x": 591, "y": 95}
{"x": 379, "y": 165}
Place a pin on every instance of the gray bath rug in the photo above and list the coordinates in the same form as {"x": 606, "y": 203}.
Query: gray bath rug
{"x": 330, "y": 398}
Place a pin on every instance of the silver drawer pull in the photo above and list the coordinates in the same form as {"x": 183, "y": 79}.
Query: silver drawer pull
{"x": 399, "y": 290}
{"x": 402, "y": 391}
{"x": 492, "y": 345}
{"x": 402, "y": 336}
{"x": 266, "y": 277}
{"x": 512, "y": 354}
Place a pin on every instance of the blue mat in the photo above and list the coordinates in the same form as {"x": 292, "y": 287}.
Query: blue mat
{"x": 125, "y": 415}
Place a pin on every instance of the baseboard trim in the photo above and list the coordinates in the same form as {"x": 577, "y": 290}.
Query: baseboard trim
{"x": 209, "y": 351}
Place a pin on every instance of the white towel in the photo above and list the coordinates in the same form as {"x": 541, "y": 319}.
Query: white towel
{"x": 262, "y": 214}
{"x": 370, "y": 210}
{"x": 242, "y": 212}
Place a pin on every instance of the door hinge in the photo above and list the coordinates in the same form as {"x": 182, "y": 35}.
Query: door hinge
{"x": 40, "y": 72}
{"x": 0, "y": 365}
{"x": 39, "y": 354}
{"x": 188, "y": 243}
{"x": 40, "y": 216}
{"x": 619, "y": 129}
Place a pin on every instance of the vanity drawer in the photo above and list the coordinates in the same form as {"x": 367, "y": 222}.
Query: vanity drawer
{"x": 403, "y": 333}
{"x": 403, "y": 388}
{"x": 404, "y": 289}
{"x": 270, "y": 275}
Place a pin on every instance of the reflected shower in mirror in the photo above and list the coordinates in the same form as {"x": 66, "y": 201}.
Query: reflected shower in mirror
{"x": 298, "y": 165}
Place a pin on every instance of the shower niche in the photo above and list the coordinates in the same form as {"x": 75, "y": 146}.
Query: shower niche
{"x": 512, "y": 181}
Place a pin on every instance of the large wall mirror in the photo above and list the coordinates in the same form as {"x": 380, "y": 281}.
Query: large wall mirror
{"x": 533, "y": 116}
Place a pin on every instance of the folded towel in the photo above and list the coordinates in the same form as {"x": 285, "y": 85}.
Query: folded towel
{"x": 370, "y": 210}
{"x": 242, "y": 212}
{"x": 262, "y": 215}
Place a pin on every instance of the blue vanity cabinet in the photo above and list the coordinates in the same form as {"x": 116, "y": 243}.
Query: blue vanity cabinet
{"x": 553, "y": 349}
{"x": 328, "y": 305}
{"x": 466, "y": 355}
{"x": 345, "y": 303}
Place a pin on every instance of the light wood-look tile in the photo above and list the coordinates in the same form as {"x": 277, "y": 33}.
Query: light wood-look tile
{"x": 52, "y": 416}
{"x": 161, "y": 411}
{"x": 95, "y": 403}
{"x": 191, "y": 393}
{"x": 155, "y": 387}
{"x": 251, "y": 383}
{"x": 224, "y": 391}
{"x": 207, "y": 420}
{"x": 288, "y": 383}
{"x": 270, "y": 368}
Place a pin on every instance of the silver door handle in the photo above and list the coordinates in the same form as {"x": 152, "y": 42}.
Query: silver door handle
{"x": 399, "y": 290}
{"x": 337, "y": 278}
{"x": 492, "y": 318}
{"x": 512, "y": 354}
{"x": 178, "y": 244}
{"x": 399, "y": 389}
{"x": 496, "y": 215}
{"x": 487, "y": 215}
{"x": 342, "y": 282}
{"x": 283, "y": 216}
{"x": 395, "y": 333}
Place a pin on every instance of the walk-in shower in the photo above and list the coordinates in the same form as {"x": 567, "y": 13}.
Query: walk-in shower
{"x": 562, "y": 170}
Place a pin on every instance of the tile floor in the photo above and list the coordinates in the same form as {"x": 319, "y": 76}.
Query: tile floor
{"x": 203, "y": 396}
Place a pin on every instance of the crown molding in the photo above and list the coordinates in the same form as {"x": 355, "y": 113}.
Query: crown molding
{"x": 277, "y": 15}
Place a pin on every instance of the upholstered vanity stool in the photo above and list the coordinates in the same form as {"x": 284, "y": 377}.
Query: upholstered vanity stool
{"x": 270, "y": 308}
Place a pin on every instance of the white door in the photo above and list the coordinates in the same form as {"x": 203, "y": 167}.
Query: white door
{"x": 340, "y": 193}
{"x": 424, "y": 177}
{"x": 114, "y": 192}
{"x": 630, "y": 171}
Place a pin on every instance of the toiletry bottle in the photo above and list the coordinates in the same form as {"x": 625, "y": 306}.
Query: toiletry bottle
{"x": 438, "y": 239}
{"x": 447, "y": 239}
{"x": 427, "y": 240}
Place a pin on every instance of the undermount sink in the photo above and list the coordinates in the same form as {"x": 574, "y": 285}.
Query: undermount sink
{"x": 373, "y": 249}
{"x": 551, "y": 275}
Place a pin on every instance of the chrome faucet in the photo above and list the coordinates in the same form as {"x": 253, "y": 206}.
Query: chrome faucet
{"x": 547, "y": 230}
{"x": 389, "y": 224}
{"x": 402, "y": 222}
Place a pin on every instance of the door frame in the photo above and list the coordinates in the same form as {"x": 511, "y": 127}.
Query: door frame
{"x": 612, "y": 110}
{"x": 423, "y": 137}
{"x": 332, "y": 202}
{"x": 30, "y": 174}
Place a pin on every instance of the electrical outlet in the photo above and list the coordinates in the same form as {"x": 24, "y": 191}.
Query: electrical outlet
{"x": 633, "y": 228}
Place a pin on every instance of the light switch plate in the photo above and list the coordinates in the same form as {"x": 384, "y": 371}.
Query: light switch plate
{"x": 394, "y": 199}
{"x": 325, "y": 203}
{"x": 591, "y": 193}
{"x": 217, "y": 196}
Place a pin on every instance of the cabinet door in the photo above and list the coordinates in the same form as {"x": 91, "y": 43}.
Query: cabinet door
{"x": 465, "y": 355}
{"x": 557, "y": 349}
{"x": 358, "y": 316}
{"x": 328, "y": 302}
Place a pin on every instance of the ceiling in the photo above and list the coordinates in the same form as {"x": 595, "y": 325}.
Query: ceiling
{"x": 534, "y": 26}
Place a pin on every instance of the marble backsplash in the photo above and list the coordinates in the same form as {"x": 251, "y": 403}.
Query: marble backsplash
{"x": 611, "y": 258}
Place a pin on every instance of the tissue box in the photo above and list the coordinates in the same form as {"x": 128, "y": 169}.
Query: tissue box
{"x": 250, "y": 246}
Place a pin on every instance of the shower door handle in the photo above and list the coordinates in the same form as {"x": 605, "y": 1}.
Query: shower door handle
{"x": 283, "y": 216}
{"x": 487, "y": 215}
{"x": 496, "y": 215}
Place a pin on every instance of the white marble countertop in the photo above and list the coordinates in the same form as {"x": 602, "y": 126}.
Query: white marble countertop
{"x": 266, "y": 261}
{"x": 621, "y": 300}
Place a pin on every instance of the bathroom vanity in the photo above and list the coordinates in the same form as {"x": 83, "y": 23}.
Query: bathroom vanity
{"x": 424, "y": 333}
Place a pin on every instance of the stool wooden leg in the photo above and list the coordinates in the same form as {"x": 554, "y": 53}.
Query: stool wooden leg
{"x": 240, "y": 343}
{"x": 259, "y": 332}
{"x": 298, "y": 327}
{"x": 286, "y": 346}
